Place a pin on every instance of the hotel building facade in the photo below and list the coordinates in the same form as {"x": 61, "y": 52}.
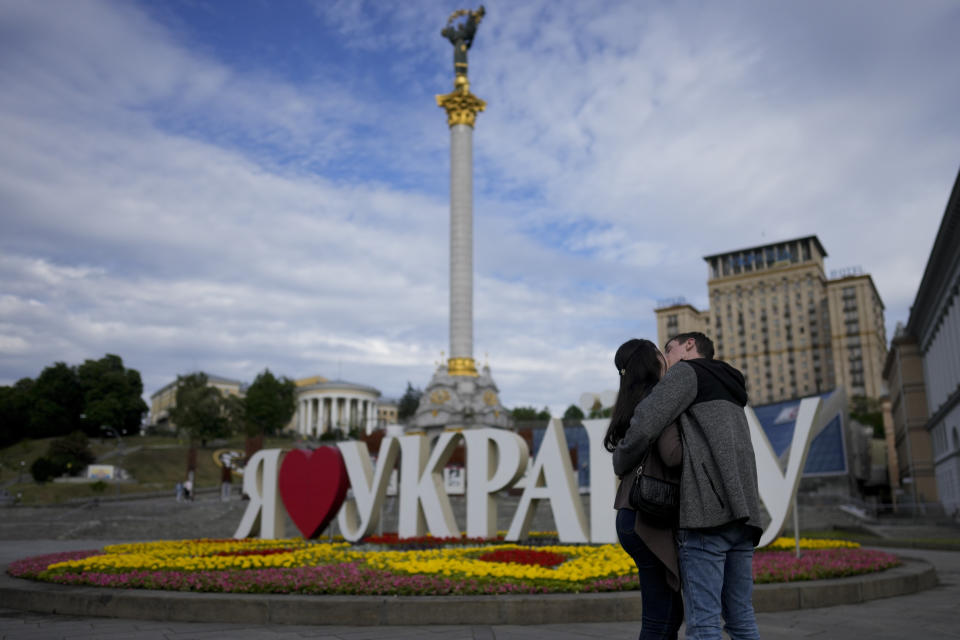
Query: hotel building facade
{"x": 793, "y": 332}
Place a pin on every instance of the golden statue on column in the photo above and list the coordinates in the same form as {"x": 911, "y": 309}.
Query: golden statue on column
{"x": 461, "y": 105}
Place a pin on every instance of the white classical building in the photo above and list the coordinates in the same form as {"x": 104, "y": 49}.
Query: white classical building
{"x": 935, "y": 321}
{"x": 934, "y": 328}
{"x": 326, "y": 405}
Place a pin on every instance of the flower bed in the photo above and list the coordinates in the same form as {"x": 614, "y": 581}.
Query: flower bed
{"x": 299, "y": 566}
{"x": 818, "y": 564}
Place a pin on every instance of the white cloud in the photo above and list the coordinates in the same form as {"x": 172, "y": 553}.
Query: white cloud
{"x": 165, "y": 203}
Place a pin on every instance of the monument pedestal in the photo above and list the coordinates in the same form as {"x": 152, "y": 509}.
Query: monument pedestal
{"x": 460, "y": 401}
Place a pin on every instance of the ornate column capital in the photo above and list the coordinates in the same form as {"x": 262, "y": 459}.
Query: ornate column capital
{"x": 462, "y": 106}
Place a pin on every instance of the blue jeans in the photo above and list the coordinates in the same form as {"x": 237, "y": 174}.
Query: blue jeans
{"x": 662, "y": 606}
{"x": 717, "y": 578}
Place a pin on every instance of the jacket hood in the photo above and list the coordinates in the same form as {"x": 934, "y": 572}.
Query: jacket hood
{"x": 722, "y": 378}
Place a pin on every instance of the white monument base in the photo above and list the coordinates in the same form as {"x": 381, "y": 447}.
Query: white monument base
{"x": 460, "y": 402}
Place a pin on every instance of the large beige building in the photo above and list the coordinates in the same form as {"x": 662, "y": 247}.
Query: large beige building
{"x": 162, "y": 401}
{"x": 775, "y": 315}
{"x": 903, "y": 372}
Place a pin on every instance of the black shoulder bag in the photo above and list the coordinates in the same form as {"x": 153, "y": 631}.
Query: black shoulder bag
{"x": 657, "y": 500}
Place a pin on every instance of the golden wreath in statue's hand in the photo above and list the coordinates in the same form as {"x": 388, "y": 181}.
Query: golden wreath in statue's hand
{"x": 461, "y": 13}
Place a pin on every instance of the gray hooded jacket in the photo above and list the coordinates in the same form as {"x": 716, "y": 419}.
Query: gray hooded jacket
{"x": 718, "y": 483}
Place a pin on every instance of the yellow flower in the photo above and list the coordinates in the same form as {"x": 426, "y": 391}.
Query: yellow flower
{"x": 787, "y": 544}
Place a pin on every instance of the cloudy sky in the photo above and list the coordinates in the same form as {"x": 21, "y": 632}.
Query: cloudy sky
{"x": 233, "y": 185}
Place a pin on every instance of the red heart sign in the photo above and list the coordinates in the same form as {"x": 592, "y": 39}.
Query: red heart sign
{"x": 313, "y": 486}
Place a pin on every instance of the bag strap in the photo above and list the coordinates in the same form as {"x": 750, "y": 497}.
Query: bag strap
{"x": 638, "y": 471}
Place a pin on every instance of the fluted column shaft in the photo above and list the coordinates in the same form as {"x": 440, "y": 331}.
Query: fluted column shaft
{"x": 461, "y": 241}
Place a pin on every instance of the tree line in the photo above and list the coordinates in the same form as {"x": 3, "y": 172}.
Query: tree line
{"x": 103, "y": 397}
{"x": 64, "y": 399}
{"x": 102, "y": 393}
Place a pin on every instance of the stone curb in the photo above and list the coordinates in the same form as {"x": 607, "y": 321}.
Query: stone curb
{"x": 39, "y": 597}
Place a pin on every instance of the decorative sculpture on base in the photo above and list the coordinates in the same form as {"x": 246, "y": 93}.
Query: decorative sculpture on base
{"x": 461, "y": 400}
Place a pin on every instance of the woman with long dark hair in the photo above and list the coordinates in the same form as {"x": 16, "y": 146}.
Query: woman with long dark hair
{"x": 640, "y": 365}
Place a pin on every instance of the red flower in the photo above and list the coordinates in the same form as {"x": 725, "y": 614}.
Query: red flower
{"x": 391, "y": 538}
{"x": 546, "y": 559}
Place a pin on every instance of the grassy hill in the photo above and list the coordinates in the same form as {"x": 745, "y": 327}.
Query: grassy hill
{"x": 155, "y": 463}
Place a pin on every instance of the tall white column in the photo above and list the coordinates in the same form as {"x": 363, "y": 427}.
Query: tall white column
{"x": 309, "y": 430}
{"x": 461, "y": 241}
{"x": 302, "y": 417}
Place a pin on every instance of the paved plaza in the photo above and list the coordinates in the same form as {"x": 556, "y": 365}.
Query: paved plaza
{"x": 930, "y": 614}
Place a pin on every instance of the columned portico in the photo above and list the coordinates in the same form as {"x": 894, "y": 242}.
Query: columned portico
{"x": 327, "y": 406}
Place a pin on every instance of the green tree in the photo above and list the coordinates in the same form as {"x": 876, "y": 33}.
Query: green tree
{"x": 112, "y": 394}
{"x": 409, "y": 402}
{"x": 269, "y": 404}
{"x": 72, "y": 452}
{"x": 867, "y": 412}
{"x": 66, "y": 455}
{"x": 233, "y": 410}
{"x": 199, "y": 409}
{"x": 15, "y": 412}
{"x": 597, "y": 410}
{"x": 573, "y": 412}
{"x": 524, "y": 414}
{"x": 56, "y": 402}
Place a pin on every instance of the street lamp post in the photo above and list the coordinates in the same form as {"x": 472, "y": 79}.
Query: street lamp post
{"x": 115, "y": 433}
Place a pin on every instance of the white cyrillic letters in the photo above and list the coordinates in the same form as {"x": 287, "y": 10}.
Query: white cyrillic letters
{"x": 496, "y": 458}
{"x": 424, "y": 502}
{"x": 551, "y": 478}
{"x": 603, "y": 484}
{"x": 263, "y": 516}
{"x": 776, "y": 488}
{"x": 359, "y": 517}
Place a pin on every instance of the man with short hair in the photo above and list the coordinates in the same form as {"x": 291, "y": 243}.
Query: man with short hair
{"x": 720, "y": 521}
